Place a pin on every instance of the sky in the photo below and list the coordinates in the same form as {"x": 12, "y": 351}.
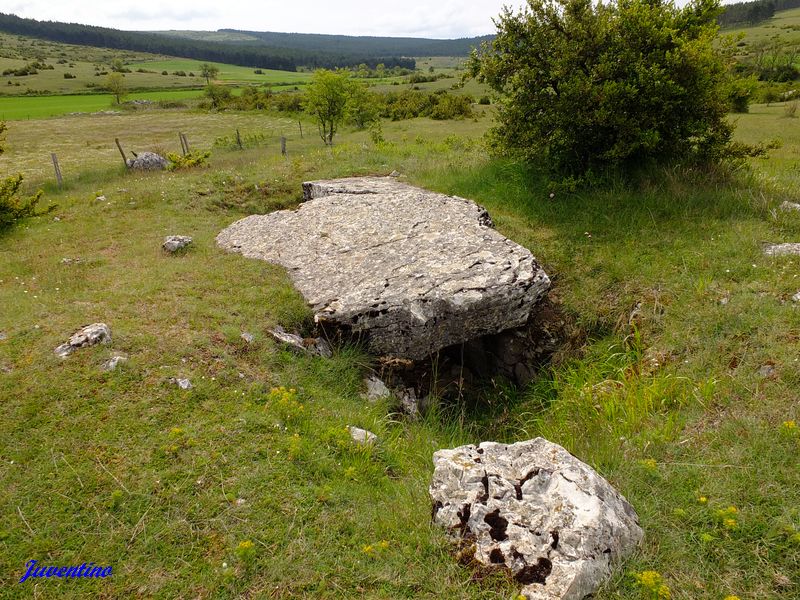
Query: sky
{"x": 398, "y": 18}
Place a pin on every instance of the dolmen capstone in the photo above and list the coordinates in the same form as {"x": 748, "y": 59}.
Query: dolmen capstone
{"x": 537, "y": 510}
{"x": 407, "y": 270}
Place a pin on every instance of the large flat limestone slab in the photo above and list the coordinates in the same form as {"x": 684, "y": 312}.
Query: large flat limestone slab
{"x": 410, "y": 270}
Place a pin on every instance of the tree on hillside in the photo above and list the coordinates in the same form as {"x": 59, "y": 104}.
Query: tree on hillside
{"x": 209, "y": 71}
{"x": 115, "y": 83}
{"x": 326, "y": 101}
{"x": 586, "y": 87}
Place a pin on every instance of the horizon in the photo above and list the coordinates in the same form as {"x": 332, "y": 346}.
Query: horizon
{"x": 448, "y": 19}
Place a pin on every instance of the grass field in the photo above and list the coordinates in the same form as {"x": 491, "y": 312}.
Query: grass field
{"x": 228, "y": 73}
{"x": 230, "y": 490}
{"x": 37, "y": 107}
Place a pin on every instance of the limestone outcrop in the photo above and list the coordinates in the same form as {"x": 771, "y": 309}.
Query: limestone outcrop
{"x": 406, "y": 270}
{"x": 537, "y": 510}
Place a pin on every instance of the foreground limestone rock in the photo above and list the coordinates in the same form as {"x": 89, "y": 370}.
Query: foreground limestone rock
{"x": 408, "y": 270}
{"x": 537, "y": 510}
{"x": 147, "y": 161}
{"x": 96, "y": 333}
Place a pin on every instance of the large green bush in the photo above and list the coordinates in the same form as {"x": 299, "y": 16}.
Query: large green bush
{"x": 586, "y": 87}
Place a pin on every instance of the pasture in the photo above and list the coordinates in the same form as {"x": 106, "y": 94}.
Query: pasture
{"x": 229, "y": 489}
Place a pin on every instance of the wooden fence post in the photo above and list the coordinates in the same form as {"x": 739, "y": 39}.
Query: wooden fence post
{"x": 124, "y": 160}
{"x": 300, "y": 123}
{"x": 183, "y": 145}
{"x": 283, "y": 146}
{"x": 57, "y": 168}
{"x": 239, "y": 140}
{"x": 185, "y": 142}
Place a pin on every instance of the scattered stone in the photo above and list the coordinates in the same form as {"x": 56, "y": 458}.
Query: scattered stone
{"x": 173, "y": 243}
{"x": 796, "y": 297}
{"x": 184, "y": 384}
{"x": 100, "y": 199}
{"x": 724, "y": 300}
{"x": 788, "y": 206}
{"x": 71, "y": 261}
{"x": 767, "y": 370}
{"x": 90, "y": 335}
{"x": 248, "y": 337}
{"x": 3, "y": 336}
{"x": 376, "y": 389}
{"x": 314, "y": 346}
{"x": 362, "y": 436}
{"x": 5, "y": 369}
{"x": 409, "y": 270}
{"x": 782, "y": 249}
{"x": 394, "y": 174}
{"x": 112, "y": 363}
{"x": 147, "y": 161}
{"x": 56, "y": 219}
{"x": 537, "y": 510}
{"x": 409, "y": 402}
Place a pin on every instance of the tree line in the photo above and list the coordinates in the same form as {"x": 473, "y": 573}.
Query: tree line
{"x": 255, "y": 54}
{"x": 753, "y": 12}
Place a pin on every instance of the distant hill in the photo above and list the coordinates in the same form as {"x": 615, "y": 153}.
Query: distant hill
{"x": 380, "y": 46}
{"x": 756, "y": 11}
{"x": 222, "y": 47}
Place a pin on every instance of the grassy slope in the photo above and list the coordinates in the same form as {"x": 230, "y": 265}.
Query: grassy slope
{"x": 125, "y": 469}
{"x": 785, "y": 24}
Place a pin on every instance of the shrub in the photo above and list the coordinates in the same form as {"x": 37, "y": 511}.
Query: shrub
{"x": 192, "y": 159}
{"x": 69, "y": 76}
{"x": 12, "y": 205}
{"x": 591, "y": 87}
{"x": 484, "y": 101}
{"x": 790, "y": 109}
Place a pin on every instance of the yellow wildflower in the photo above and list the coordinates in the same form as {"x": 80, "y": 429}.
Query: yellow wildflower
{"x": 383, "y": 544}
{"x": 368, "y": 549}
{"x": 732, "y": 598}
{"x": 702, "y": 500}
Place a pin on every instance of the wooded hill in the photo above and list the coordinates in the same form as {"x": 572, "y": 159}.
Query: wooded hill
{"x": 256, "y": 53}
{"x": 753, "y": 12}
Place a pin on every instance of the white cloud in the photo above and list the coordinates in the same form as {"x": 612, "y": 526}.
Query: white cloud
{"x": 412, "y": 18}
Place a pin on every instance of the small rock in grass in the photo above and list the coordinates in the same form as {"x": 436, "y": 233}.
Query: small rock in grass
{"x": 3, "y": 336}
{"x": 148, "y": 161}
{"x": 796, "y": 297}
{"x": 767, "y": 370}
{"x": 394, "y": 174}
{"x": 362, "y": 436}
{"x": 248, "y": 337}
{"x": 112, "y": 363}
{"x": 173, "y": 243}
{"x": 90, "y": 335}
{"x": 184, "y": 384}
{"x": 100, "y": 199}
{"x": 376, "y": 389}
{"x": 723, "y": 301}
{"x": 71, "y": 261}
{"x": 782, "y": 249}
{"x": 786, "y": 205}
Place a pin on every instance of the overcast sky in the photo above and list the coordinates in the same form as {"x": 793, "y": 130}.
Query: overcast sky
{"x": 414, "y": 18}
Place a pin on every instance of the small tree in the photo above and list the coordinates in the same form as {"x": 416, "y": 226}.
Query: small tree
{"x": 326, "y": 101}
{"x": 115, "y": 83}
{"x": 586, "y": 86}
{"x": 363, "y": 106}
{"x": 209, "y": 71}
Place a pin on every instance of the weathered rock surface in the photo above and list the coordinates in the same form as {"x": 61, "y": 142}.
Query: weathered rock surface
{"x": 782, "y": 249}
{"x": 90, "y": 335}
{"x": 408, "y": 270}
{"x": 173, "y": 243}
{"x": 181, "y": 382}
{"x": 362, "y": 436}
{"x": 538, "y": 510}
{"x": 147, "y": 161}
{"x": 376, "y": 389}
{"x": 248, "y": 337}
